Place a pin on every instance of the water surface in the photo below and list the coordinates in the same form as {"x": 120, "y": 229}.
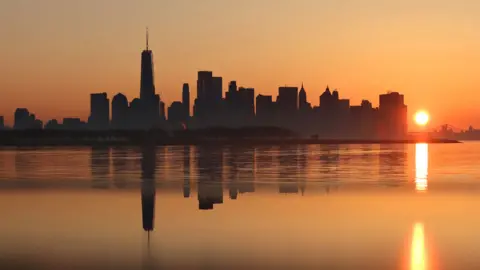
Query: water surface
{"x": 275, "y": 207}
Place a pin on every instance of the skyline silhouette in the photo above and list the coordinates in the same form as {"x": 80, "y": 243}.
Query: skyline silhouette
{"x": 355, "y": 47}
{"x": 239, "y": 107}
{"x": 213, "y": 106}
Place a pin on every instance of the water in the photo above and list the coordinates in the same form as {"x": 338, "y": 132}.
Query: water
{"x": 281, "y": 207}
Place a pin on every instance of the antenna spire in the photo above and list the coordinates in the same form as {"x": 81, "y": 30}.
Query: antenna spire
{"x": 147, "y": 38}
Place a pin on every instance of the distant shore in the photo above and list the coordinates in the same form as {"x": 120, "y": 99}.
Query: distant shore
{"x": 211, "y": 136}
{"x": 107, "y": 143}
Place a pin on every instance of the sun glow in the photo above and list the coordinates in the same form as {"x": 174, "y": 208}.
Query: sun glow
{"x": 422, "y": 118}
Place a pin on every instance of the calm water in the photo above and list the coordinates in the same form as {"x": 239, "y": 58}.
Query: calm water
{"x": 284, "y": 207}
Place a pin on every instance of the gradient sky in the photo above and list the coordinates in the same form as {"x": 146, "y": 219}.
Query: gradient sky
{"x": 55, "y": 52}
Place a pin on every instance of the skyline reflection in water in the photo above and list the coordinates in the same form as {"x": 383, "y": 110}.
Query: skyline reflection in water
{"x": 239, "y": 169}
{"x": 421, "y": 167}
{"x": 140, "y": 207}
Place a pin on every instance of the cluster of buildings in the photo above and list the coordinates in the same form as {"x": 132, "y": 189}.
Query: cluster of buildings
{"x": 239, "y": 107}
{"x": 450, "y": 132}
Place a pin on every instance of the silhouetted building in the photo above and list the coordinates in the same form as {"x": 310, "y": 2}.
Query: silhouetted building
{"x": 160, "y": 108}
{"x": 363, "y": 121}
{"x": 328, "y": 102}
{"x": 232, "y": 87}
{"x": 287, "y": 100}
{"x": 303, "y": 104}
{"x": 186, "y": 101}
{"x": 135, "y": 114}
{"x": 217, "y": 91}
{"x": 208, "y": 105}
{"x": 265, "y": 112}
{"x": 247, "y": 101}
{"x": 73, "y": 124}
{"x": 344, "y": 105}
{"x": 119, "y": 112}
{"x": 147, "y": 86}
{"x": 99, "y": 112}
{"x": 204, "y": 87}
{"x": 2, "y": 122}
{"x": 204, "y": 84}
{"x": 393, "y": 116}
{"x": 239, "y": 105}
{"x": 334, "y": 113}
{"x": 23, "y": 119}
{"x": 52, "y": 124}
{"x": 305, "y": 117}
{"x": 176, "y": 114}
{"x": 287, "y": 107}
{"x": 151, "y": 110}
{"x": 231, "y": 98}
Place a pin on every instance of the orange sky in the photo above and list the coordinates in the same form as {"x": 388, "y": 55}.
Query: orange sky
{"x": 55, "y": 52}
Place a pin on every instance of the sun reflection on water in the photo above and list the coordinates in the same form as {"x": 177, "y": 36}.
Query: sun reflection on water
{"x": 418, "y": 259}
{"x": 421, "y": 167}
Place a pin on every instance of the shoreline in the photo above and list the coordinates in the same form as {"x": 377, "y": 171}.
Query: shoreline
{"x": 217, "y": 142}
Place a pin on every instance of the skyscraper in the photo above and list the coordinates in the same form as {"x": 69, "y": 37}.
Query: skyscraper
{"x": 204, "y": 89}
{"x": 232, "y": 87}
{"x": 204, "y": 84}
{"x": 186, "y": 100}
{"x": 231, "y": 96}
{"x": 393, "y": 115}
{"x": 152, "y": 110}
{"x": 99, "y": 111}
{"x": 217, "y": 89}
{"x": 176, "y": 113}
{"x": 119, "y": 111}
{"x": 147, "y": 87}
{"x": 265, "y": 111}
{"x": 246, "y": 98}
{"x": 287, "y": 100}
{"x": 21, "y": 119}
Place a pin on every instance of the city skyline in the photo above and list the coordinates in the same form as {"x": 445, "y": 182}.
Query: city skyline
{"x": 395, "y": 54}
{"x": 239, "y": 107}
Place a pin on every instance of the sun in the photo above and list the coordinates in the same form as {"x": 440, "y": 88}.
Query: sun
{"x": 422, "y": 118}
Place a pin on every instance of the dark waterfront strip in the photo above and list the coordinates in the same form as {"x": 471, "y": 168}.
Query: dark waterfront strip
{"x": 248, "y": 136}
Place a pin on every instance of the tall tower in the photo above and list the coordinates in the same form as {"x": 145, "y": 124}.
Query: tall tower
{"x": 147, "y": 87}
{"x": 186, "y": 100}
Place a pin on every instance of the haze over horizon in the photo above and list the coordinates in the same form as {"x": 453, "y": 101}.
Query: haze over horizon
{"x": 58, "y": 52}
